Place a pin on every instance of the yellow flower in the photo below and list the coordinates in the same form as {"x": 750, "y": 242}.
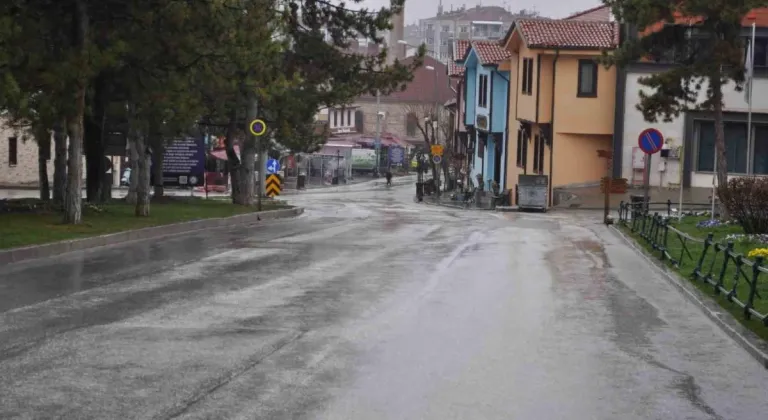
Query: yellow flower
{"x": 758, "y": 252}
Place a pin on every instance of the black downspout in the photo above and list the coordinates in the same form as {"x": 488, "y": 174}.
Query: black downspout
{"x": 552, "y": 126}
{"x": 506, "y": 134}
{"x": 618, "y": 118}
{"x": 538, "y": 85}
{"x": 490, "y": 123}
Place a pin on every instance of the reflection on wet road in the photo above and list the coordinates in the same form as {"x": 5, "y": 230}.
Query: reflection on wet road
{"x": 368, "y": 306}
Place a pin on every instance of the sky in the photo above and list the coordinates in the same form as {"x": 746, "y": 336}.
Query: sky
{"x": 420, "y": 9}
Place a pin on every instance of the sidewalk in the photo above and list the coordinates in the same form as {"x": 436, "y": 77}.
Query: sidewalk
{"x": 591, "y": 198}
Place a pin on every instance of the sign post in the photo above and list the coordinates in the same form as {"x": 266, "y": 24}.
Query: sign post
{"x": 650, "y": 142}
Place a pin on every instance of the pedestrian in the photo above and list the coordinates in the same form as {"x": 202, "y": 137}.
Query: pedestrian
{"x": 389, "y": 177}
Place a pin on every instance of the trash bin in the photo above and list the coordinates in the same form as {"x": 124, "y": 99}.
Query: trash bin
{"x": 301, "y": 182}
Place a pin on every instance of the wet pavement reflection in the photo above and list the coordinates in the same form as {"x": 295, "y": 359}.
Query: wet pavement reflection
{"x": 368, "y": 306}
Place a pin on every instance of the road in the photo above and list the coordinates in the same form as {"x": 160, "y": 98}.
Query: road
{"x": 369, "y": 306}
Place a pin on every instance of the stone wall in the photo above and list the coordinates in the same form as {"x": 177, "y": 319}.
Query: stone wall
{"x": 394, "y": 122}
{"x": 25, "y": 170}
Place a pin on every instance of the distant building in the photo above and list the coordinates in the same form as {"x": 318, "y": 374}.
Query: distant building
{"x": 480, "y": 23}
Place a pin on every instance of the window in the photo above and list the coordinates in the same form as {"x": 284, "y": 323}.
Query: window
{"x": 520, "y": 139}
{"x": 527, "y": 79}
{"x": 446, "y": 28}
{"x": 587, "y": 79}
{"x": 536, "y": 150}
{"x": 735, "y": 146}
{"x": 13, "y": 151}
{"x": 482, "y": 91}
{"x": 463, "y": 29}
{"x": 429, "y": 27}
{"x": 411, "y": 122}
{"x": 761, "y": 52}
{"x": 760, "y": 159}
{"x": 359, "y": 121}
{"x": 341, "y": 118}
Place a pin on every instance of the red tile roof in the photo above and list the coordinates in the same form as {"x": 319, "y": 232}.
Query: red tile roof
{"x": 490, "y": 52}
{"x": 460, "y": 48}
{"x": 568, "y": 34}
{"x": 455, "y": 70}
{"x": 423, "y": 87}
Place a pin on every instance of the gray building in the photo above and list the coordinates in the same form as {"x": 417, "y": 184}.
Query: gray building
{"x": 476, "y": 23}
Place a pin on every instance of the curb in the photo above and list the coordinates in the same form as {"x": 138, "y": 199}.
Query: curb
{"x": 15, "y": 255}
{"x": 750, "y": 342}
{"x": 455, "y": 206}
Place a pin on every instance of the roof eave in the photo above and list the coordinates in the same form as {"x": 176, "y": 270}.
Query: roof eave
{"x": 569, "y": 48}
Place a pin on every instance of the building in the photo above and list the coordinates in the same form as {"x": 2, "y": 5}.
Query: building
{"x": 476, "y": 24}
{"x": 561, "y": 109}
{"x": 456, "y": 73}
{"x": 486, "y": 81}
{"x": 428, "y": 87}
{"x": 19, "y": 154}
{"x": 693, "y": 163}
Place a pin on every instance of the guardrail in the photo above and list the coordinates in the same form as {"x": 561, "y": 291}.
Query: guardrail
{"x": 729, "y": 273}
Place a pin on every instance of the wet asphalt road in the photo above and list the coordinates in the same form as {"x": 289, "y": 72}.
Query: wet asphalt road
{"x": 369, "y": 306}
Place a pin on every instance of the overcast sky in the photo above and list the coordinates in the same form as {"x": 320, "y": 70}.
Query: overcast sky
{"x": 420, "y": 9}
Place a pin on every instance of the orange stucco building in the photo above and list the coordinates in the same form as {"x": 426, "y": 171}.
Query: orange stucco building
{"x": 561, "y": 101}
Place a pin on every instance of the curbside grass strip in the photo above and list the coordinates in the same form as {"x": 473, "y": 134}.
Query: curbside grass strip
{"x": 750, "y": 342}
{"x": 15, "y": 255}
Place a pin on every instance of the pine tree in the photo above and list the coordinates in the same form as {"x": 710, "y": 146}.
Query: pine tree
{"x": 703, "y": 39}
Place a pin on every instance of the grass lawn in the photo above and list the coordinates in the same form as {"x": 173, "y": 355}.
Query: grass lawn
{"x": 688, "y": 264}
{"x": 32, "y": 228}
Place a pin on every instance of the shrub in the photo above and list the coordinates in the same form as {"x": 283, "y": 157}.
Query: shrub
{"x": 746, "y": 200}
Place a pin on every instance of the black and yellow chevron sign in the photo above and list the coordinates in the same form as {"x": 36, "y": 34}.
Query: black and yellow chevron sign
{"x": 273, "y": 185}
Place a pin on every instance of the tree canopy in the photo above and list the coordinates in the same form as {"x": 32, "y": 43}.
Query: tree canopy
{"x": 161, "y": 67}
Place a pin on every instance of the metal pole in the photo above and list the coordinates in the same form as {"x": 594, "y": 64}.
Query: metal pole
{"x": 680, "y": 166}
{"x": 714, "y": 183}
{"x": 436, "y": 130}
{"x": 750, "y": 168}
{"x": 647, "y": 185}
{"x": 378, "y": 130}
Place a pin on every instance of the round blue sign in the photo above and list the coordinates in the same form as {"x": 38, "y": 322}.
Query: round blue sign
{"x": 436, "y": 159}
{"x": 273, "y": 166}
{"x": 650, "y": 141}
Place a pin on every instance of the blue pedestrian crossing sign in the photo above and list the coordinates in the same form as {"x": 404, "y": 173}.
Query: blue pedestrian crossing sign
{"x": 273, "y": 166}
{"x": 650, "y": 141}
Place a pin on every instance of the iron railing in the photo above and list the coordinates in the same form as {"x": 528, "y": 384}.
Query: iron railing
{"x": 730, "y": 274}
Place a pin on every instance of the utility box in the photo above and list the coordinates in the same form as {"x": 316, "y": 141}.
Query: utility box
{"x": 533, "y": 192}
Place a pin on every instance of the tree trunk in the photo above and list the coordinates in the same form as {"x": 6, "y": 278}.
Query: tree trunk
{"x": 43, "y": 155}
{"x": 74, "y": 192}
{"x": 59, "y": 163}
{"x": 93, "y": 142}
{"x": 158, "y": 150}
{"x": 233, "y": 162}
{"x": 722, "y": 161}
{"x": 133, "y": 180}
{"x": 74, "y": 196}
{"x": 142, "y": 169}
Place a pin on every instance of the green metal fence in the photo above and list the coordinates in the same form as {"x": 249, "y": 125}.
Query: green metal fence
{"x": 729, "y": 273}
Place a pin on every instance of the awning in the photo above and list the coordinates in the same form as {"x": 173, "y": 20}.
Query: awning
{"x": 221, "y": 154}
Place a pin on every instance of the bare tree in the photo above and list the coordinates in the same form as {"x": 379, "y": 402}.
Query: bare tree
{"x": 423, "y": 114}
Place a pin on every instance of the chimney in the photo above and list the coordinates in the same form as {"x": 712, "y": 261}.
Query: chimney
{"x": 396, "y": 50}
{"x": 440, "y": 8}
